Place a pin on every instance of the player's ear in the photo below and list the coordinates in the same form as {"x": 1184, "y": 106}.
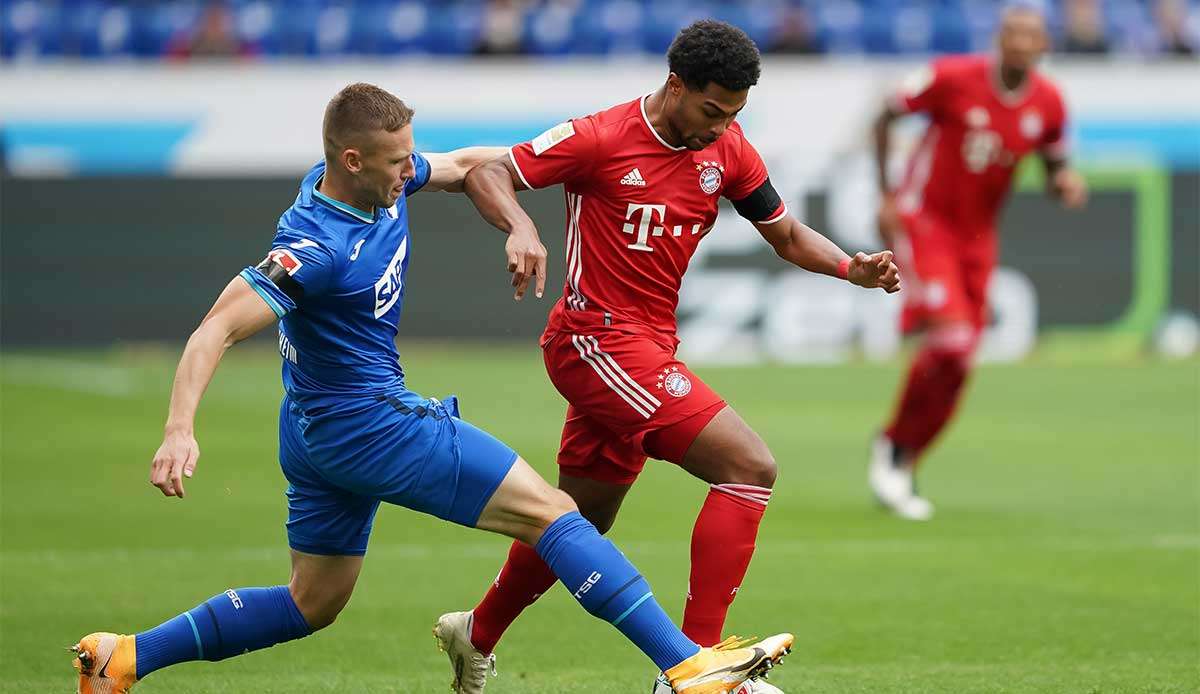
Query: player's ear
{"x": 352, "y": 160}
{"x": 674, "y": 85}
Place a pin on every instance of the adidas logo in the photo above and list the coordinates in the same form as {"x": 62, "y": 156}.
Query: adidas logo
{"x": 633, "y": 178}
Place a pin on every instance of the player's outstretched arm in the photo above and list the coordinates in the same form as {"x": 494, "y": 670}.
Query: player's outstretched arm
{"x": 492, "y": 188}
{"x": 448, "y": 171}
{"x": 238, "y": 313}
{"x": 888, "y": 217}
{"x": 805, "y": 248}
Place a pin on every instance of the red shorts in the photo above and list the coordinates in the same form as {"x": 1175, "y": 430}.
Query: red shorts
{"x": 629, "y": 397}
{"x": 946, "y": 272}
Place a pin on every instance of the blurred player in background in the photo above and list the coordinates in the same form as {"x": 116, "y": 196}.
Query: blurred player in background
{"x": 351, "y": 434}
{"x": 642, "y": 182}
{"x": 986, "y": 113}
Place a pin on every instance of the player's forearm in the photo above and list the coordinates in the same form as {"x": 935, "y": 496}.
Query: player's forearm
{"x": 808, "y": 249}
{"x": 883, "y": 142}
{"x": 196, "y": 367}
{"x": 468, "y": 158}
{"x": 491, "y": 190}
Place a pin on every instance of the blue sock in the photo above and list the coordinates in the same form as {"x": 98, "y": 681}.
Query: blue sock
{"x": 229, "y": 624}
{"x": 609, "y": 587}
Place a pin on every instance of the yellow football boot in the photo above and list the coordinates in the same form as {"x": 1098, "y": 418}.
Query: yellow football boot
{"x": 728, "y": 664}
{"x": 107, "y": 663}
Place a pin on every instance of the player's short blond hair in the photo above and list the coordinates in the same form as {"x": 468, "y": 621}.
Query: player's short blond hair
{"x": 357, "y": 111}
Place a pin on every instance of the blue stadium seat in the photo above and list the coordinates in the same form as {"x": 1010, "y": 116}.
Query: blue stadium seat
{"x": 951, "y": 33}
{"x": 664, "y": 20}
{"x": 840, "y": 26}
{"x": 550, "y": 29}
{"x": 387, "y": 27}
{"x": 455, "y": 26}
{"x": 609, "y": 26}
{"x": 30, "y": 29}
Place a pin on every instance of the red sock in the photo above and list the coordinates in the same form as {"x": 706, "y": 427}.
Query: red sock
{"x": 522, "y": 580}
{"x": 722, "y": 544}
{"x": 935, "y": 384}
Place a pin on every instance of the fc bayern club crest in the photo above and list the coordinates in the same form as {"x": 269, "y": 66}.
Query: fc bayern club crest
{"x": 710, "y": 176}
{"x": 675, "y": 383}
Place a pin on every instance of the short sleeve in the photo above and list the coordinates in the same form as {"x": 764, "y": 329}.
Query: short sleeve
{"x": 1055, "y": 144}
{"x": 750, "y": 173}
{"x": 558, "y": 155}
{"x": 920, "y": 91}
{"x": 296, "y": 268}
{"x": 421, "y": 164}
{"x": 750, "y": 188}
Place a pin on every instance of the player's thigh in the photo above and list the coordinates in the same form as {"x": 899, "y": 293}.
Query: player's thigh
{"x": 623, "y": 388}
{"x": 935, "y": 289}
{"x": 728, "y": 451}
{"x": 324, "y": 518}
{"x": 590, "y": 450}
{"x": 321, "y": 585}
{"x": 523, "y": 505}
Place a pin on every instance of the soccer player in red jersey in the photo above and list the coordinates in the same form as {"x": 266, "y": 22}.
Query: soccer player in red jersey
{"x": 985, "y": 114}
{"x": 642, "y": 181}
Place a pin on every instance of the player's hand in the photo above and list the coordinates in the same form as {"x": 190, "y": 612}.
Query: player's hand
{"x": 175, "y": 459}
{"x": 526, "y": 260}
{"x": 1070, "y": 188}
{"x": 888, "y": 219}
{"x": 875, "y": 270}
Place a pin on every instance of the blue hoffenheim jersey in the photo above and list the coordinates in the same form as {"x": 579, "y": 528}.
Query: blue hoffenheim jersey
{"x": 341, "y": 298}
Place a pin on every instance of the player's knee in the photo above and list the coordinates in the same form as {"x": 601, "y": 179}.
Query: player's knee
{"x": 320, "y": 604}
{"x": 753, "y": 464}
{"x": 558, "y": 504}
{"x": 602, "y": 519}
{"x": 953, "y": 345}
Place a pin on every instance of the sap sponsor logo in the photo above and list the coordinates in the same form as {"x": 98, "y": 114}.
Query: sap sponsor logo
{"x": 388, "y": 288}
{"x": 587, "y": 585}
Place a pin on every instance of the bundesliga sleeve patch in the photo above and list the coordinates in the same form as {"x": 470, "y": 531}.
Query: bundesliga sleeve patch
{"x": 917, "y": 82}
{"x": 279, "y": 266}
{"x": 552, "y": 137}
{"x": 284, "y": 259}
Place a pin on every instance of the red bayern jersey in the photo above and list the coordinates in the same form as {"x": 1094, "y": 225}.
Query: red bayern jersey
{"x": 636, "y": 210}
{"x": 963, "y": 167}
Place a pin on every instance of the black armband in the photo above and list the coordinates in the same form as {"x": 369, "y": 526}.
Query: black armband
{"x": 278, "y": 274}
{"x": 759, "y": 205}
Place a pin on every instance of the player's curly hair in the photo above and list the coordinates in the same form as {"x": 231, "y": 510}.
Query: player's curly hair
{"x": 712, "y": 51}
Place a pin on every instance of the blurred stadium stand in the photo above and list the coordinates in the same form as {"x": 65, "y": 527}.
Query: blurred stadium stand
{"x": 266, "y": 29}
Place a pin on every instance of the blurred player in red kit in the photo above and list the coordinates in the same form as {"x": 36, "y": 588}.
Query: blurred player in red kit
{"x": 985, "y": 113}
{"x": 642, "y": 181}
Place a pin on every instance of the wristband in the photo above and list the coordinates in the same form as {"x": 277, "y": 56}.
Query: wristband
{"x": 843, "y": 269}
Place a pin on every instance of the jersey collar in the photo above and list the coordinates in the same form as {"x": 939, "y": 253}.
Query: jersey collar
{"x": 1008, "y": 97}
{"x": 360, "y": 215}
{"x": 646, "y": 120}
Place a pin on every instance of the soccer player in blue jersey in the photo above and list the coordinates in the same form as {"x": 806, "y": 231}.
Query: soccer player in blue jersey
{"x": 352, "y": 435}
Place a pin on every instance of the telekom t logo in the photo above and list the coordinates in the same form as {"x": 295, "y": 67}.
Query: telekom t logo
{"x": 643, "y": 228}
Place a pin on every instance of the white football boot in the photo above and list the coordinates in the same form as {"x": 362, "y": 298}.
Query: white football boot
{"x": 471, "y": 668}
{"x": 892, "y": 482}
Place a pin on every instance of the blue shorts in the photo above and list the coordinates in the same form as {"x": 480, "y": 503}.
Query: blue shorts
{"x": 401, "y": 449}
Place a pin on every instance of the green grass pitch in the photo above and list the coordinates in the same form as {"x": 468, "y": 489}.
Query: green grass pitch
{"x": 1065, "y": 556}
